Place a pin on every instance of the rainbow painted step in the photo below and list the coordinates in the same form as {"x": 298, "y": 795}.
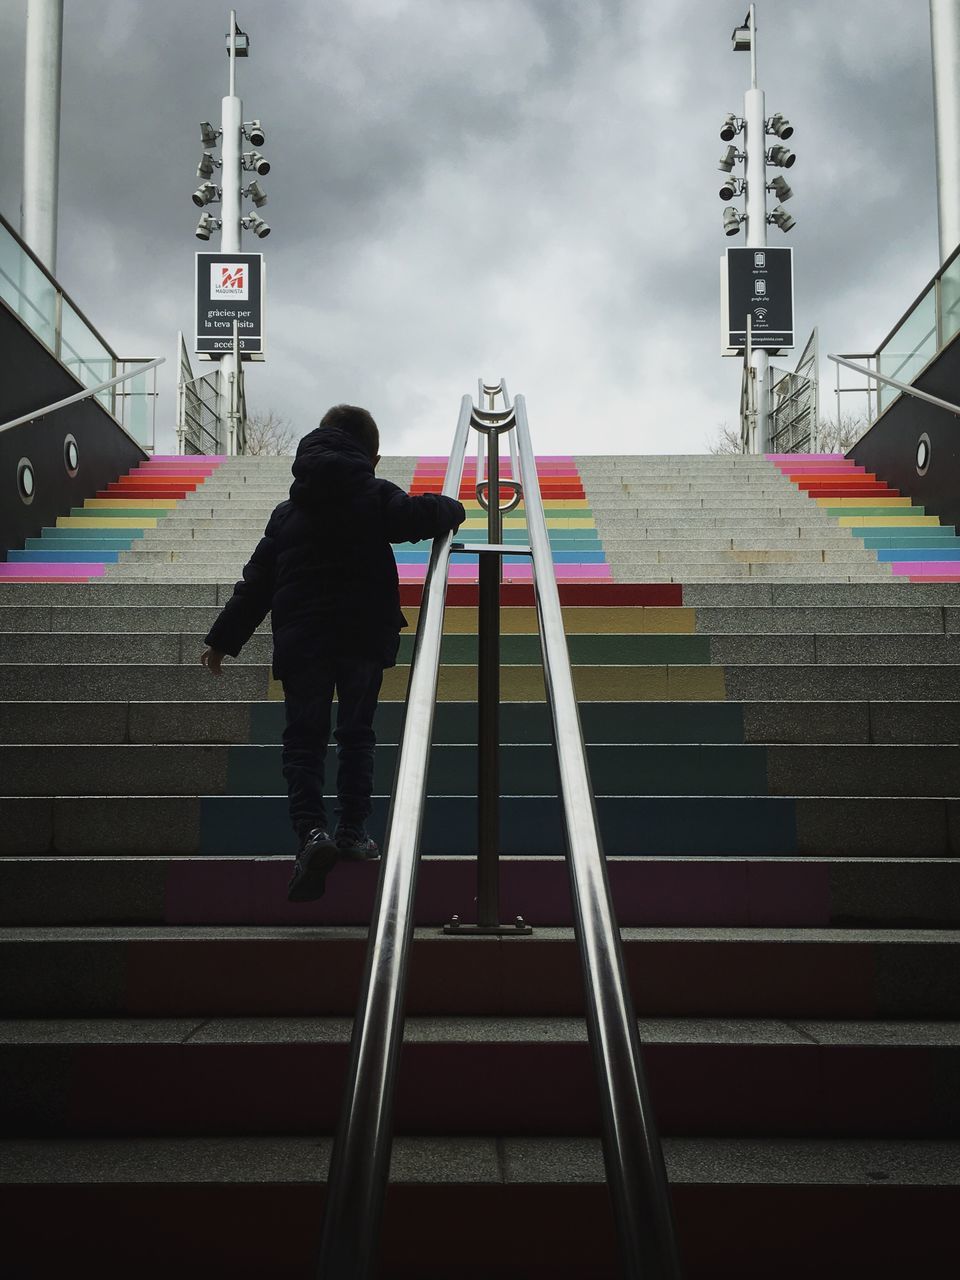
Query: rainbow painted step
{"x": 578, "y": 553}
{"x": 93, "y": 536}
{"x": 916, "y": 546}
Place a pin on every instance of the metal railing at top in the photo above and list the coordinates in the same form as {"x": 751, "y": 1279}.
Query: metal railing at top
{"x": 900, "y": 387}
{"x": 94, "y": 391}
{"x": 795, "y": 403}
{"x": 361, "y": 1154}
{"x": 32, "y": 293}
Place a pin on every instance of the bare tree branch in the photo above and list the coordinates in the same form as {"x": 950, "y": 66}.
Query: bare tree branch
{"x": 725, "y": 439}
{"x": 269, "y": 435}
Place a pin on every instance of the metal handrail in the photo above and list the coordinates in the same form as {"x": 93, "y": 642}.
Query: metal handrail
{"x": 632, "y": 1153}
{"x": 361, "y": 1153}
{"x": 894, "y": 382}
{"x": 85, "y": 395}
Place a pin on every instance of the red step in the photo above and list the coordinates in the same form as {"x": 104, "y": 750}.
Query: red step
{"x": 593, "y": 594}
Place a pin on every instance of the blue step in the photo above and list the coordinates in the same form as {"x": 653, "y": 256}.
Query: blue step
{"x": 63, "y": 557}
{"x": 918, "y": 553}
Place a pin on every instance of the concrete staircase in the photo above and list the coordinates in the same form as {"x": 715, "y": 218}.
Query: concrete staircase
{"x": 775, "y": 754}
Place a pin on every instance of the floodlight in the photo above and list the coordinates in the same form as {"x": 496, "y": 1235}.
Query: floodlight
{"x": 780, "y": 189}
{"x": 731, "y": 221}
{"x": 256, "y": 194}
{"x": 782, "y": 218}
{"x": 206, "y": 193}
{"x": 781, "y": 126}
{"x": 207, "y": 165}
{"x": 782, "y": 156}
{"x": 730, "y": 128}
{"x": 254, "y": 160}
{"x": 208, "y": 134}
{"x": 729, "y": 159}
{"x": 729, "y": 188}
{"x": 253, "y": 133}
{"x": 205, "y": 226}
{"x": 742, "y": 37}
{"x": 257, "y": 225}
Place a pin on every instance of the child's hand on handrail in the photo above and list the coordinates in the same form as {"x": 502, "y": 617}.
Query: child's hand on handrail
{"x": 212, "y": 659}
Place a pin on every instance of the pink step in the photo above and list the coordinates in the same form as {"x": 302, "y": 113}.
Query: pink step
{"x": 50, "y": 572}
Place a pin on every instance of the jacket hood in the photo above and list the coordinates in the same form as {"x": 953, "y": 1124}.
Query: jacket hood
{"x": 329, "y": 466}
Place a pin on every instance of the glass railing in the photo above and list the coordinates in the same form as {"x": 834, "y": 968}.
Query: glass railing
{"x": 931, "y": 322}
{"x": 32, "y": 293}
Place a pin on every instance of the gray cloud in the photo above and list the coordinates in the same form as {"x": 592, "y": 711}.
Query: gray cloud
{"x": 465, "y": 187}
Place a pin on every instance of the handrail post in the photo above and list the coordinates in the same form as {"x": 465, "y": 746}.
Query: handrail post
{"x": 488, "y": 703}
{"x": 490, "y": 422}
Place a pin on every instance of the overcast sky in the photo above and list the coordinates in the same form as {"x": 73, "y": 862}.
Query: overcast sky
{"x": 525, "y": 188}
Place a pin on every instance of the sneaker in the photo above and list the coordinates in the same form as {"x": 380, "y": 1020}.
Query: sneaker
{"x": 317, "y": 857}
{"x": 355, "y": 845}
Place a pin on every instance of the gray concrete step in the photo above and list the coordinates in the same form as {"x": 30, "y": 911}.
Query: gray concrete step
{"x": 851, "y": 826}
{"x": 134, "y": 721}
{"x": 660, "y": 769}
{"x": 189, "y": 1058}
{"x": 107, "y": 648}
{"x": 762, "y": 1189}
{"x": 914, "y": 892}
{"x": 166, "y": 971}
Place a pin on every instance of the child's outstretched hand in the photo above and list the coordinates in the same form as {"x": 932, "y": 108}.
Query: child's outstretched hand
{"x": 212, "y": 659}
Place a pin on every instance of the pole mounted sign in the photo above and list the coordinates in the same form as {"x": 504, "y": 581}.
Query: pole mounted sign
{"x": 758, "y": 282}
{"x": 229, "y": 288}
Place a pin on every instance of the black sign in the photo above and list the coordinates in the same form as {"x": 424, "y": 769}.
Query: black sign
{"x": 229, "y": 287}
{"x": 760, "y": 283}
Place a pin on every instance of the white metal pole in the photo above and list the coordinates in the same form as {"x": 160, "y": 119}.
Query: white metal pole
{"x": 230, "y": 230}
{"x": 756, "y": 177}
{"x": 945, "y": 48}
{"x": 41, "y": 129}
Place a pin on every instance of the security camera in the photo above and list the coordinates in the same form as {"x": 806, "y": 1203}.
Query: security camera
{"x": 257, "y": 225}
{"x": 729, "y": 188}
{"x": 782, "y": 156}
{"x": 730, "y": 128}
{"x": 207, "y": 165}
{"x": 731, "y": 221}
{"x": 206, "y": 193}
{"x": 208, "y": 134}
{"x": 205, "y": 226}
{"x": 253, "y": 132}
{"x": 781, "y": 126}
{"x": 256, "y": 194}
{"x": 782, "y": 218}
{"x": 254, "y": 160}
{"x": 780, "y": 189}
{"x": 729, "y": 159}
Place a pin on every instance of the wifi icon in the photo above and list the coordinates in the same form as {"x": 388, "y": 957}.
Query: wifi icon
{"x": 760, "y": 313}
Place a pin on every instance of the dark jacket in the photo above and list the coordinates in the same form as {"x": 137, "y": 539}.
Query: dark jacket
{"x": 324, "y": 564}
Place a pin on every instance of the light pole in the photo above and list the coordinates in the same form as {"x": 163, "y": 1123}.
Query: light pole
{"x": 755, "y": 126}
{"x": 945, "y": 47}
{"x": 41, "y": 129}
{"x": 233, "y": 163}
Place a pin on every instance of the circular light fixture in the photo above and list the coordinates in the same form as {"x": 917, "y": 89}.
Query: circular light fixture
{"x": 924, "y": 450}
{"x": 26, "y": 481}
{"x": 71, "y": 455}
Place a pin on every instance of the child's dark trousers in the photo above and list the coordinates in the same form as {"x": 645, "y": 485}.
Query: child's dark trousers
{"x": 308, "y": 695}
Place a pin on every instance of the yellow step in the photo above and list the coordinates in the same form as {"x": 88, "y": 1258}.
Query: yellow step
{"x": 886, "y": 522}
{"x": 864, "y": 502}
{"x": 623, "y": 620}
{"x": 592, "y": 684}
